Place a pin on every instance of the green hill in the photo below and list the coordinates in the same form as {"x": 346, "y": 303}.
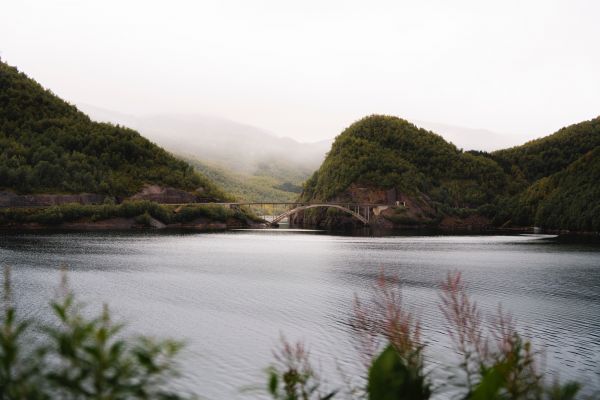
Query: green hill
{"x": 551, "y": 182}
{"x": 550, "y": 154}
{"x": 48, "y": 146}
{"x": 569, "y": 199}
{"x": 388, "y": 152}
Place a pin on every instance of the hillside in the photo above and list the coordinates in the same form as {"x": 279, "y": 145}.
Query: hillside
{"x": 548, "y": 155}
{"x": 269, "y": 184}
{"x": 250, "y": 163}
{"x": 48, "y": 146}
{"x": 569, "y": 199}
{"x": 551, "y": 182}
{"x": 387, "y": 153}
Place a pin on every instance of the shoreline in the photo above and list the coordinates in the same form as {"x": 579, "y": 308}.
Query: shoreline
{"x": 205, "y": 225}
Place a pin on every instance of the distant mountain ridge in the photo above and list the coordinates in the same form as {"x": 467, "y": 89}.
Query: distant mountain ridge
{"x": 219, "y": 140}
{"x": 250, "y": 163}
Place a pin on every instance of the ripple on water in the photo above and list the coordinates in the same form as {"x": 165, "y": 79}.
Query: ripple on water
{"x": 231, "y": 295}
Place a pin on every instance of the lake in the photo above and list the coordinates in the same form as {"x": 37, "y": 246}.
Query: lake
{"x": 231, "y": 295}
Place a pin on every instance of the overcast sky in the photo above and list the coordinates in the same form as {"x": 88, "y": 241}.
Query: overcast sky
{"x": 307, "y": 69}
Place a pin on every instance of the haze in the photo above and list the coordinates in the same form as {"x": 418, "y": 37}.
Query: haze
{"x": 308, "y": 69}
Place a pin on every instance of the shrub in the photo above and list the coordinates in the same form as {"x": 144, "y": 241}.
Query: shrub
{"x": 145, "y": 219}
{"x": 81, "y": 358}
{"x": 211, "y": 211}
{"x": 140, "y": 210}
{"x": 497, "y": 363}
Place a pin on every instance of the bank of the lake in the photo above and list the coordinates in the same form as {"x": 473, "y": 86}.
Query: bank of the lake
{"x": 129, "y": 215}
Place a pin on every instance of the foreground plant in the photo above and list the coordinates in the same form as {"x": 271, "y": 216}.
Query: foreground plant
{"x": 292, "y": 377}
{"x": 82, "y": 358}
{"x": 399, "y": 370}
{"x": 496, "y": 362}
{"x": 19, "y": 366}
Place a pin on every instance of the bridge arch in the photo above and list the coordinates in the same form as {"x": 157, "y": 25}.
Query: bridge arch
{"x": 293, "y": 211}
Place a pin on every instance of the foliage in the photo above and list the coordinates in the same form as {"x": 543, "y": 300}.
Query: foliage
{"x": 497, "y": 363}
{"x": 89, "y": 358}
{"x": 390, "y": 152}
{"x": 551, "y": 154}
{"x": 141, "y": 210}
{"x": 293, "y": 377}
{"x": 392, "y": 378}
{"x": 82, "y": 358}
{"x": 49, "y": 146}
{"x": 19, "y": 373}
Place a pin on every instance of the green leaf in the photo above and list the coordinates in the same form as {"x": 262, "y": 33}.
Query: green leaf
{"x": 391, "y": 379}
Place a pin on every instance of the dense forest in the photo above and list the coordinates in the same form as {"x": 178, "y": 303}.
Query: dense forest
{"x": 391, "y": 152}
{"x": 551, "y": 182}
{"x": 48, "y": 146}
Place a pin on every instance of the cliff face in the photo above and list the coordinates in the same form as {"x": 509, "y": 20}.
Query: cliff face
{"x": 169, "y": 195}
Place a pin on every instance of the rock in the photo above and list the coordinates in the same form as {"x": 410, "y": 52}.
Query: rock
{"x": 165, "y": 195}
{"x": 154, "y": 223}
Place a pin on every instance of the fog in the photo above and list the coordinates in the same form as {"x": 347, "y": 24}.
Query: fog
{"x": 500, "y": 72}
{"x": 246, "y": 149}
{"x": 219, "y": 141}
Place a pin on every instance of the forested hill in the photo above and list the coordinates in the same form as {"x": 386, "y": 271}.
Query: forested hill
{"x": 48, "y": 146}
{"x": 388, "y": 152}
{"x": 553, "y": 153}
{"x": 553, "y": 182}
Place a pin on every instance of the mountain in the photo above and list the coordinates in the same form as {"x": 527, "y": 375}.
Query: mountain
{"x": 559, "y": 179}
{"x": 552, "y": 182}
{"x": 550, "y": 154}
{"x": 388, "y": 152}
{"x": 49, "y": 146}
{"x": 570, "y": 198}
{"x": 249, "y": 162}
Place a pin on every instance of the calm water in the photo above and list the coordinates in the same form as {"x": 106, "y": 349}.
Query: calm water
{"x": 231, "y": 295}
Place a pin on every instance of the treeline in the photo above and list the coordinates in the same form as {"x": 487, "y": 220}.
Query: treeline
{"x": 550, "y": 182}
{"x": 142, "y": 211}
{"x": 48, "y": 146}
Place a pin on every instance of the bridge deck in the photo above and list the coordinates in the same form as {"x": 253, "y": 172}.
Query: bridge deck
{"x": 296, "y": 203}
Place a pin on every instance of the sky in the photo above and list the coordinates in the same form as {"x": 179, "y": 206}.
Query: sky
{"x": 308, "y": 69}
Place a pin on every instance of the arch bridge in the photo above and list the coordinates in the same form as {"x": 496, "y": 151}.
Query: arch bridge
{"x": 355, "y": 211}
{"x": 359, "y": 211}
